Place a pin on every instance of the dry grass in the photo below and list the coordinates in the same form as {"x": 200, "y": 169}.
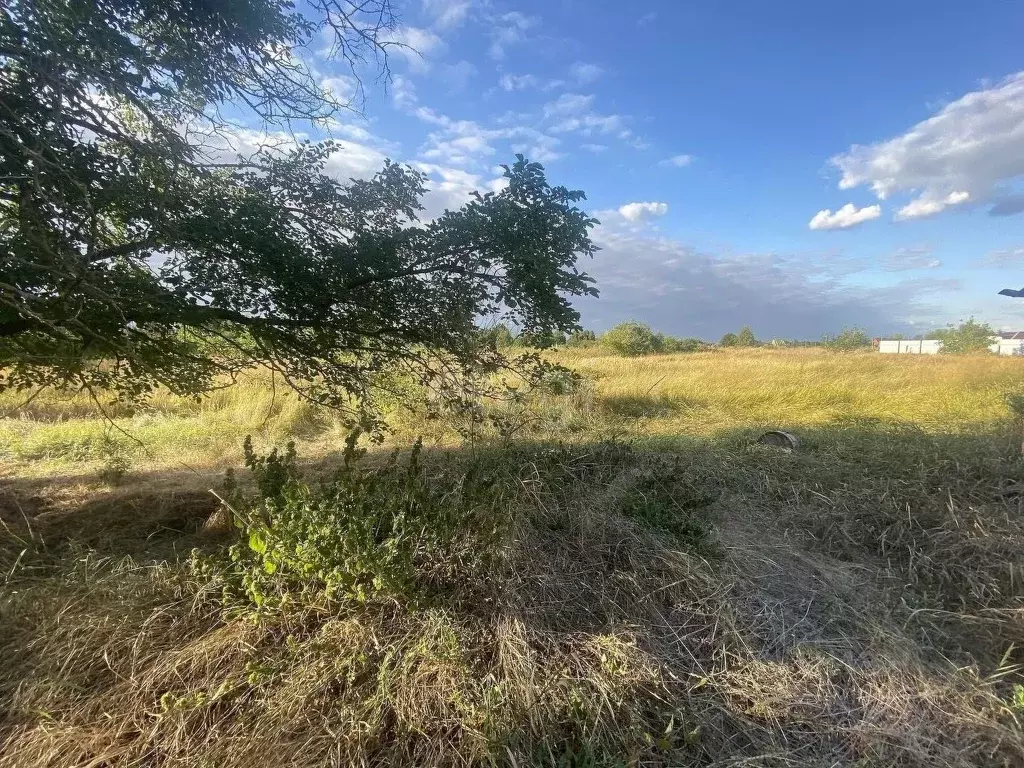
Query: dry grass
{"x": 858, "y": 602}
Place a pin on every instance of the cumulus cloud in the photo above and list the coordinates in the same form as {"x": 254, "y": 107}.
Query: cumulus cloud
{"x": 509, "y": 29}
{"x": 677, "y": 161}
{"x": 971, "y": 149}
{"x": 911, "y": 257}
{"x": 844, "y": 218}
{"x": 635, "y": 212}
{"x": 924, "y": 206}
{"x": 447, "y": 14}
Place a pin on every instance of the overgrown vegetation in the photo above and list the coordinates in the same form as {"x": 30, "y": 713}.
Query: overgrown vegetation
{"x": 847, "y": 340}
{"x": 965, "y": 338}
{"x": 633, "y": 339}
{"x": 655, "y": 589}
{"x": 362, "y": 535}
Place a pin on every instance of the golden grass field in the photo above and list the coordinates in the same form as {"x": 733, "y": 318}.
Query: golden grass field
{"x": 685, "y": 395}
{"x": 859, "y": 601}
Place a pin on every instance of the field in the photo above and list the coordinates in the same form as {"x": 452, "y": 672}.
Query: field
{"x": 608, "y": 574}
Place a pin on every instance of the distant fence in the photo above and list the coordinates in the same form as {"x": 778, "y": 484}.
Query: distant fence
{"x": 934, "y": 346}
{"x": 910, "y": 346}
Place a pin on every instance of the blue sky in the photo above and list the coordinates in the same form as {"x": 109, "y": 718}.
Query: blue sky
{"x": 794, "y": 166}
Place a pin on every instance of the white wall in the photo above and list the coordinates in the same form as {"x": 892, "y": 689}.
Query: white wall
{"x": 909, "y": 347}
{"x": 1008, "y": 347}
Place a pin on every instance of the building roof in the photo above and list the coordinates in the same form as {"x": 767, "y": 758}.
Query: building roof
{"x": 1016, "y": 335}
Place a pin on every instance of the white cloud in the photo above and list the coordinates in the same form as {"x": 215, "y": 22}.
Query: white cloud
{"x": 517, "y": 82}
{"x": 432, "y": 116}
{"x": 595, "y": 148}
{"x": 972, "y": 148}
{"x": 461, "y": 150}
{"x": 1004, "y": 257}
{"x": 358, "y": 158}
{"x": 924, "y": 206}
{"x": 635, "y": 212}
{"x": 447, "y": 14}
{"x": 573, "y": 112}
{"x": 415, "y": 45}
{"x": 542, "y": 150}
{"x": 403, "y": 92}
{"x": 646, "y": 19}
{"x": 847, "y": 216}
{"x": 451, "y": 188}
{"x": 467, "y": 143}
{"x": 584, "y": 74}
{"x": 911, "y": 257}
{"x": 677, "y": 161}
{"x": 509, "y": 29}
{"x": 568, "y": 104}
{"x": 341, "y": 88}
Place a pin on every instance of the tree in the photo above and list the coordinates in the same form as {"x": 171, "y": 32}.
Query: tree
{"x": 745, "y": 338}
{"x": 136, "y": 253}
{"x": 729, "y": 340}
{"x": 631, "y": 339}
{"x": 581, "y": 338}
{"x": 497, "y": 336}
{"x": 848, "y": 340}
{"x": 969, "y": 336}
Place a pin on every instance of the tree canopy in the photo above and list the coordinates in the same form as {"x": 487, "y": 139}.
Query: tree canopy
{"x": 136, "y": 255}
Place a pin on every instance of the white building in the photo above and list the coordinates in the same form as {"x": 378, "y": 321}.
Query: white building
{"x": 1008, "y": 343}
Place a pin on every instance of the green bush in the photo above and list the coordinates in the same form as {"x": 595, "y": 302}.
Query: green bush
{"x": 581, "y": 338}
{"x": 675, "y": 344}
{"x": 969, "y": 336}
{"x": 364, "y": 535}
{"x": 745, "y": 338}
{"x": 631, "y": 339}
{"x": 848, "y": 340}
{"x": 729, "y": 340}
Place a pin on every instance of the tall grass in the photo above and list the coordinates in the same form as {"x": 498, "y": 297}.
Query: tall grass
{"x": 698, "y": 394}
{"x": 623, "y": 577}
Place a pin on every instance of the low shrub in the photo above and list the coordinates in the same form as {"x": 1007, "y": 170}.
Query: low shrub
{"x": 630, "y": 339}
{"x": 366, "y": 534}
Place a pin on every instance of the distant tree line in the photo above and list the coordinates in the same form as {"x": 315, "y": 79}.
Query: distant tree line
{"x": 635, "y": 339}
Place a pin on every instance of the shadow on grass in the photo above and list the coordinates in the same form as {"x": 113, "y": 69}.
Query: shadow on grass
{"x": 707, "y": 602}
